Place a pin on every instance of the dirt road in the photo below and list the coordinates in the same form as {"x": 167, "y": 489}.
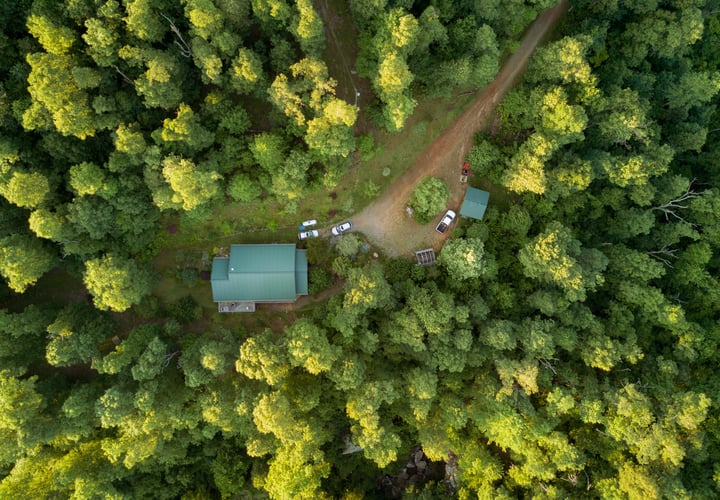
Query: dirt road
{"x": 385, "y": 222}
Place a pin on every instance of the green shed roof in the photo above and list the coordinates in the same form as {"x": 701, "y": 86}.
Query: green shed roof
{"x": 260, "y": 273}
{"x": 475, "y": 203}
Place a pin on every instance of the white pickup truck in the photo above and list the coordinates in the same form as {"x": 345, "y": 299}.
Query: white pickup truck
{"x": 446, "y": 221}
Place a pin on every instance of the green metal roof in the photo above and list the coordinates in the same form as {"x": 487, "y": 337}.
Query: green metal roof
{"x": 272, "y": 258}
{"x": 219, "y": 269}
{"x": 475, "y": 203}
{"x": 260, "y": 273}
{"x": 301, "y": 272}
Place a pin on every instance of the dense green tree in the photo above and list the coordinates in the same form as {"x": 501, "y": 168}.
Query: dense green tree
{"x": 21, "y": 338}
{"x": 565, "y": 61}
{"x": 309, "y": 347}
{"x": 23, "y": 259}
{"x": 116, "y": 282}
{"x": 205, "y": 17}
{"x": 330, "y": 133}
{"x": 75, "y": 334}
{"x": 664, "y": 33}
{"x": 464, "y": 258}
{"x": 21, "y": 419}
{"x": 308, "y": 100}
{"x": 692, "y": 89}
{"x": 207, "y": 59}
{"x": 243, "y": 188}
{"x": 246, "y": 73}
{"x": 308, "y": 28}
{"x": 57, "y": 100}
{"x": 152, "y": 361}
{"x": 262, "y": 359}
{"x": 392, "y": 81}
{"x": 268, "y": 10}
{"x": 186, "y": 129}
{"x": 160, "y": 83}
{"x": 93, "y": 216}
{"x": 130, "y": 140}
{"x": 393, "y": 76}
{"x": 379, "y": 441}
{"x": 51, "y": 225}
{"x": 127, "y": 351}
{"x": 269, "y": 150}
{"x": 45, "y": 23}
{"x": 483, "y": 157}
{"x": 207, "y": 357}
{"x": 626, "y": 117}
{"x": 192, "y": 186}
{"x": 26, "y": 189}
{"x": 289, "y": 182}
{"x": 526, "y": 172}
{"x": 89, "y": 179}
{"x": 637, "y": 169}
{"x": 102, "y": 37}
{"x": 428, "y": 198}
{"x": 143, "y": 20}
{"x": 305, "y": 92}
{"x": 561, "y": 121}
{"x": 556, "y": 257}
{"x": 348, "y": 245}
{"x": 367, "y": 288}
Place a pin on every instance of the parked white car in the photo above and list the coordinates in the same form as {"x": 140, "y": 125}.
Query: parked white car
{"x": 309, "y": 223}
{"x": 308, "y": 234}
{"x": 446, "y": 221}
{"x": 341, "y": 228}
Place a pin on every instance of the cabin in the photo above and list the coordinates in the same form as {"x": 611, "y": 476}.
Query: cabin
{"x": 258, "y": 273}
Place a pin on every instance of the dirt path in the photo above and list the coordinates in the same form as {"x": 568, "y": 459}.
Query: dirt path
{"x": 384, "y": 222}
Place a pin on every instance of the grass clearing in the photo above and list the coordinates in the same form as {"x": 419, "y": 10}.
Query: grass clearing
{"x": 397, "y": 151}
{"x": 264, "y": 221}
{"x": 368, "y": 175}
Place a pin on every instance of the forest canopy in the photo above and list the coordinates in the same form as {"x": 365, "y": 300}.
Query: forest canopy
{"x": 563, "y": 347}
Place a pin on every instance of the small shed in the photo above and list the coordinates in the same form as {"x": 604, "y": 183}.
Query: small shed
{"x": 475, "y": 203}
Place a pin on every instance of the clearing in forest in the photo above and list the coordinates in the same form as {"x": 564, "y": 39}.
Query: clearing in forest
{"x": 385, "y": 222}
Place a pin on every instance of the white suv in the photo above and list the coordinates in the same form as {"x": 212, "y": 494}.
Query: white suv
{"x": 341, "y": 228}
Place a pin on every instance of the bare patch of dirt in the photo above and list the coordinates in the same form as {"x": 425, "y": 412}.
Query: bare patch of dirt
{"x": 385, "y": 222}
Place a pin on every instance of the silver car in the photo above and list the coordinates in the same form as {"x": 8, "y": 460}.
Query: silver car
{"x": 308, "y": 234}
